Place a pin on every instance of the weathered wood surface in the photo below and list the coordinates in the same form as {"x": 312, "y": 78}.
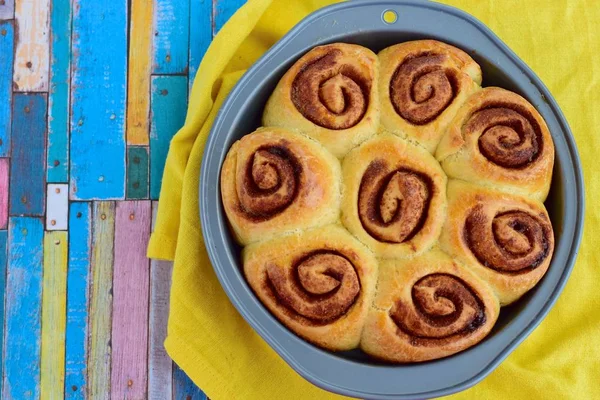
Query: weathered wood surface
{"x": 92, "y": 93}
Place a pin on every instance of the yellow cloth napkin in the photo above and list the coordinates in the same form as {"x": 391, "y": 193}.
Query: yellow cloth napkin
{"x": 558, "y": 39}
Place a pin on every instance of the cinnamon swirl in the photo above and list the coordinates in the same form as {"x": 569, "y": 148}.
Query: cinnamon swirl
{"x": 318, "y": 283}
{"x": 329, "y": 94}
{"x": 506, "y": 239}
{"x": 274, "y": 181}
{"x": 499, "y": 139}
{"x": 422, "y": 84}
{"x": 427, "y": 308}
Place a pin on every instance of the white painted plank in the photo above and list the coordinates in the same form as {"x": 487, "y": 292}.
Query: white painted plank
{"x": 57, "y": 207}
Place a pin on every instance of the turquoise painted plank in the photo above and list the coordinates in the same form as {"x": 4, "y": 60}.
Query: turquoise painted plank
{"x": 80, "y": 249}
{"x": 184, "y": 388}
{"x": 137, "y": 172}
{"x": 3, "y": 249}
{"x": 171, "y": 36}
{"x": 223, "y": 10}
{"x": 167, "y": 114}
{"x": 27, "y": 177}
{"x": 200, "y": 34}
{"x": 98, "y": 97}
{"x": 23, "y": 309}
{"x": 7, "y": 37}
{"x": 58, "y": 97}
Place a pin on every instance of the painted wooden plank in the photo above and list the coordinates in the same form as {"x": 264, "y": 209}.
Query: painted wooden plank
{"x": 77, "y": 300}
{"x": 98, "y": 92}
{"x": 168, "y": 107}
{"x": 32, "y": 48}
{"x": 4, "y": 173}
{"x": 171, "y": 37}
{"x": 54, "y": 303}
{"x": 200, "y": 34}
{"x": 27, "y": 177}
{"x": 222, "y": 11}
{"x": 7, "y": 10}
{"x": 23, "y": 307}
{"x": 184, "y": 388}
{"x": 129, "y": 376}
{"x": 58, "y": 97}
{"x": 3, "y": 257}
{"x": 138, "y": 101}
{"x": 160, "y": 366}
{"x": 101, "y": 301}
{"x": 57, "y": 207}
{"x": 137, "y": 172}
{"x": 7, "y": 37}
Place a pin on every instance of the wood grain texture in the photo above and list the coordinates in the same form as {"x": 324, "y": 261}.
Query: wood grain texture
{"x": 32, "y": 49}
{"x": 200, "y": 34}
{"x": 23, "y": 309}
{"x": 168, "y": 107}
{"x": 57, "y": 166}
{"x": 184, "y": 388}
{"x": 160, "y": 366}
{"x": 27, "y": 177}
{"x": 222, "y": 11}
{"x": 3, "y": 259}
{"x": 77, "y": 300}
{"x": 4, "y": 190}
{"x": 171, "y": 37}
{"x": 98, "y": 93}
{"x": 100, "y": 317}
{"x": 129, "y": 375}
{"x": 7, "y": 10}
{"x": 7, "y": 37}
{"x": 57, "y": 207}
{"x": 138, "y": 101}
{"x": 54, "y": 301}
{"x": 137, "y": 172}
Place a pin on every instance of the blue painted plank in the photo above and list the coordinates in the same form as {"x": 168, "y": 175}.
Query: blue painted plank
{"x": 23, "y": 309}
{"x": 98, "y": 94}
{"x": 184, "y": 388}
{"x": 200, "y": 34}
{"x": 167, "y": 114}
{"x": 80, "y": 249}
{"x": 58, "y": 99}
{"x": 7, "y": 36}
{"x": 3, "y": 249}
{"x": 27, "y": 177}
{"x": 223, "y": 10}
{"x": 171, "y": 36}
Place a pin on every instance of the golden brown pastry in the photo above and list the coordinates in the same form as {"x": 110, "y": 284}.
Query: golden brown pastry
{"x": 422, "y": 84}
{"x": 427, "y": 308}
{"x": 499, "y": 139}
{"x": 506, "y": 239}
{"x": 394, "y": 197}
{"x": 329, "y": 94}
{"x": 274, "y": 181}
{"x": 318, "y": 283}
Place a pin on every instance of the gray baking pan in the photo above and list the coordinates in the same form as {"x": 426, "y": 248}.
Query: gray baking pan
{"x": 353, "y": 373}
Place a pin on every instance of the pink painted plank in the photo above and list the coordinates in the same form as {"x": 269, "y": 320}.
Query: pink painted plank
{"x": 129, "y": 372}
{"x": 160, "y": 366}
{"x": 3, "y": 192}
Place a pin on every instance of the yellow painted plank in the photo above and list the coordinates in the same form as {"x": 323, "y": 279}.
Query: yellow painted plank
{"x": 138, "y": 98}
{"x": 54, "y": 299}
{"x": 99, "y": 357}
{"x": 32, "y": 48}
